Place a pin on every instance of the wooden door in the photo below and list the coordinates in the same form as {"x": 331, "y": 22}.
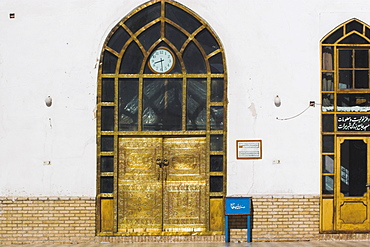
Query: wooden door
{"x": 351, "y": 192}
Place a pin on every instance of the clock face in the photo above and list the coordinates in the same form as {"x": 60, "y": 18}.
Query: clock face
{"x": 161, "y": 61}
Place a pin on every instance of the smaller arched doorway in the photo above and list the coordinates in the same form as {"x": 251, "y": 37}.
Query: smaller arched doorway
{"x": 161, "y": 126}
{"x": 345, "y": 115}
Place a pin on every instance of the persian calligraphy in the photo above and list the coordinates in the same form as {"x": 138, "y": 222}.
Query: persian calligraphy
{"x": 353, "y": 123}
{"x": 237, "y": 206}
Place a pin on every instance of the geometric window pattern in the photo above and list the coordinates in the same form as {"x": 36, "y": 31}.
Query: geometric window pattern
{"x": 345, "y": 95}
{"x": 189, "y": 100}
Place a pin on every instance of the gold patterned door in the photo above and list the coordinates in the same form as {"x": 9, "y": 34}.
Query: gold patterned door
{"x": 162, "y": 185}
{"x": 352, "y": 193}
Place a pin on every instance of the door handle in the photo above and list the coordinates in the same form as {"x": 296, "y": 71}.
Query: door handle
{"x": 165, "y": 162}
{"x": 368, "y": 185}
{"x": 159, "y": 162}
{"x": 162, "y": 165}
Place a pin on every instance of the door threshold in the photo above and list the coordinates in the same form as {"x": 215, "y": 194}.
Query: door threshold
{"x": 117, "y": 234}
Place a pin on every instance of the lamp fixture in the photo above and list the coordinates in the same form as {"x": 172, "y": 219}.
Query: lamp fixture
{"x": 48, "y": 101}
{"x": 277, "y": 101}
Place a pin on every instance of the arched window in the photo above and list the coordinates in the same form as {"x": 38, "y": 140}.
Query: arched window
{"x": 345, "y": 116}
{"x": 161, "y": 124}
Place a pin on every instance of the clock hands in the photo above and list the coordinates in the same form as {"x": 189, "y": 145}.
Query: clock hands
{"x": 161, "y": 61}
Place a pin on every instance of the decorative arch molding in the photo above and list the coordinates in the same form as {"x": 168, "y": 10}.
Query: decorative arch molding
{"x": 352, "y": 31}
{"x": 186, "y": 102}
{"x": 162, "y": 29}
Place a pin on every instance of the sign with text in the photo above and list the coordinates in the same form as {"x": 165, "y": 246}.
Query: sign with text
{"x": 249, "y": 149}
{"x": 238, "y": 205}
{"x": 352, "y": 122}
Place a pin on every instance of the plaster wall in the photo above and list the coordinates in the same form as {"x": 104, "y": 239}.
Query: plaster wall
{"x": 53, "y": 48}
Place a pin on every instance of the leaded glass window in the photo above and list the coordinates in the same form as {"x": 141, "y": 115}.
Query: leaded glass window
{"x": 187, "y": 99}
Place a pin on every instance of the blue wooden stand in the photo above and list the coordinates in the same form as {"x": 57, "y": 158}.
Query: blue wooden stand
{"x": 238, "y": 206}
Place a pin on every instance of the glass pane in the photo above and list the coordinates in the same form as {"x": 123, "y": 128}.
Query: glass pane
{"x": 345, "y": 59}
{"x": 361, "y": 79}
{"x": 182, "y": 18}
{"x": 327, "y": 185}
{"x": 216, "y": 184}
{"x": 216, "y": 63}
{"x": 207, "y": 41}
{"x": 345, "y": 79}
{"x": 162, "y": 104}
{"x": 118, "y": 39}
{"x": 361, "y": 59}
{"x": 327, "y": 82}
{"x": 193, "y": 59}
{"x": 334, "y": 36}
{"x": 353, "y": 167}
{"x": 327, "y": 102}
{"x": 107, "y": 143}
{"x": 106, "y": 164}
{"x": 328, "y": 144}
{"x": 328, "y": 164}
{"x": 217, "y": 118}
{"x": 217, "y": 163}
{"x": 353, "y": 102}
{"x": 196, "y": 114}
{"x": 106, "y": 185}
{"x": 354, "y": 26}
{"x": 107, "y": 94}
{"x": 217, "y": 90}
{"x": 327, "y": 123}
{"x": 354, "y": 39}
{"x": 175, "y": 36}
{"x": 128, "y": 90}
{"x": 217, "y": 143}
{"x": 131, "y": 60}
{"x": 109, "y": 63}
{"x": 107, "y": 118}
{"x": 149, "y": 36}
{"x": 143, "y": 17}
{"x": 327, "y": 58}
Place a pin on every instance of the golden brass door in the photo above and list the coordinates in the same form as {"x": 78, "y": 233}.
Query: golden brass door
{"x": 162, "y": 185}
{"x": 352, "y": 194}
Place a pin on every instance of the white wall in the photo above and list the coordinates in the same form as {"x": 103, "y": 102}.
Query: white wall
{"x": 52, "y": 47}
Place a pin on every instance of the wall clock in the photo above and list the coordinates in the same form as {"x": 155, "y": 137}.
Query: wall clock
{"x": 161, "y": 61}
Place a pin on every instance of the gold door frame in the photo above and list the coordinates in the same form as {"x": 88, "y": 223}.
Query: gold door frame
{"x": 350, "y": 35}
{"x": 109, "y": 132}
{"x": 352, "y": 212}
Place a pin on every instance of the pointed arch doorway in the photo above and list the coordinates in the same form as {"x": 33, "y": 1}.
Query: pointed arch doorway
{"x": 161, "y": 125}
{"x": 345, "y": 88}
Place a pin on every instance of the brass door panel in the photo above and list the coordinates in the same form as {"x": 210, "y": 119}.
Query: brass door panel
{"x": 162, "y": 185}
{"x": 352, "y": 177}
{"x": 185, "y": 183}
{"x": 107, "y": 215}
{"x": 139, "y": 185}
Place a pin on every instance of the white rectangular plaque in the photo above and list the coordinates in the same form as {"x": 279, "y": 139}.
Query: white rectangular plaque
{"x": 249, "y": 149}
